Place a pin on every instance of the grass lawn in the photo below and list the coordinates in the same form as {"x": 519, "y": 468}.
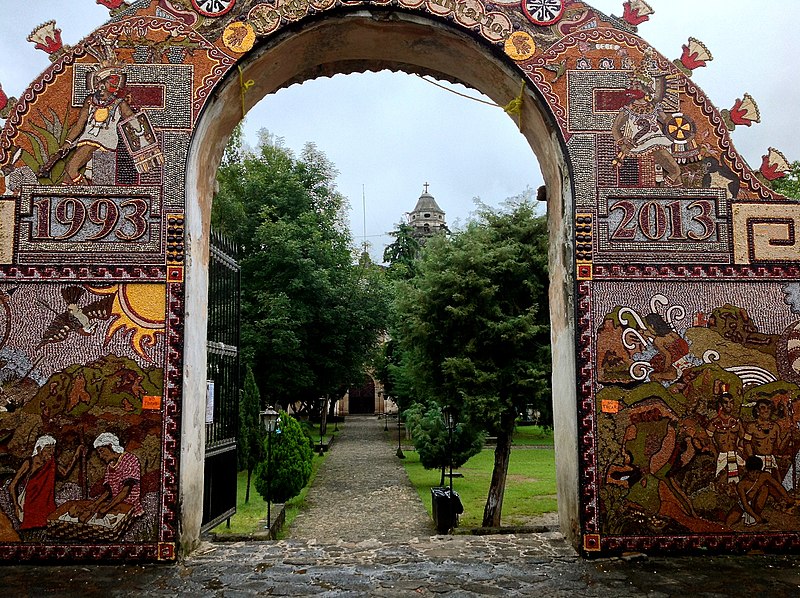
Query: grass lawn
{"x": 533, "y": 436}
{"x": 251, "y": 516}
{"x": 530, "y": 487}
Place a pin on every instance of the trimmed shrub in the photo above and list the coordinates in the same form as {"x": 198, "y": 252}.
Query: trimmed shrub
{"x": 290, "y": 464}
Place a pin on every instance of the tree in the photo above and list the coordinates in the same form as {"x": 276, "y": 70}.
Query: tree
{"x": 251, "y": 433}
{"x": 790, "y": 184}
{"x": 311, "y": 317}
{"x": 398, "y": 382}
{"x": 432, "y": 440}
{"x": 290, "y": 462}
{"x": 402, "y": 254}
{"x": 474, "y": 326}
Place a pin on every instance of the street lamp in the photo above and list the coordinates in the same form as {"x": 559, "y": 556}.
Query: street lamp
{"x": 449, "y": 414}
{"x": 269, "y": 421}
{"x": 322, "y": 405}
{"x": 400, "y": 454}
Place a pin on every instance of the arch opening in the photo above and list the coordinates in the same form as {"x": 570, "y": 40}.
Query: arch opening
{"x": 370, "y": 40}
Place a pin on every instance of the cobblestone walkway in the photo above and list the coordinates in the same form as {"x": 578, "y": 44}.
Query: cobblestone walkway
{"x": 539, "y": 565}
{"x": 362, "y": 492}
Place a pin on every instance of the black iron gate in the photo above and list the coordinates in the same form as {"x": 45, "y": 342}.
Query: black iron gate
{"x": 222, "y": 393}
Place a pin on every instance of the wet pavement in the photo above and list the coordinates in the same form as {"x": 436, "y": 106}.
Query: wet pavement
{"x": 366, "y": 533}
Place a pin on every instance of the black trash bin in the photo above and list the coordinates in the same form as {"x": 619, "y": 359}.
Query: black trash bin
{"x": 445, "y": 508}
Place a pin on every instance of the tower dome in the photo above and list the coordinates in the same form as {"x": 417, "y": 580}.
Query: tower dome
{"x": 427, "y": 218}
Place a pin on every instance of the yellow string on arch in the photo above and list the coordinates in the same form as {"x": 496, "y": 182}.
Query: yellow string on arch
{"x": 463, "y": 95}
{"x": 514, "y": 107}
{"x": 244, "y": 87}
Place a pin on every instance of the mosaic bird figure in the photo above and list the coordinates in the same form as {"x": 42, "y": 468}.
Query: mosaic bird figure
{"x": 558, "y": 69}
{"x": 75, "y": 318}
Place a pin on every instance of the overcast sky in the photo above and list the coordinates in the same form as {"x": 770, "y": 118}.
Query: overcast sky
{"x": 389, "y": 133}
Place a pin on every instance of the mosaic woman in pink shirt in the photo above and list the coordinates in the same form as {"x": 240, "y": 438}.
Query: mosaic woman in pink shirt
{"x": 122, "y": 480}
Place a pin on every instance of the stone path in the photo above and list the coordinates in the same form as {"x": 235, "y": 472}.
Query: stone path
{"x": 362, "y": 492}
{"x": 539, "y": 565}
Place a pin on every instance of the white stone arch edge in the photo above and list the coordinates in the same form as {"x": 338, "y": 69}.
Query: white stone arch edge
{"x": 364, "y": 40}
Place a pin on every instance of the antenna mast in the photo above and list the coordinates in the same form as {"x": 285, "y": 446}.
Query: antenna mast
{"x": 364, "y": 214}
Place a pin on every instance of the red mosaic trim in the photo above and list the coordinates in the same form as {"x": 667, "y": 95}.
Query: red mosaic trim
{"x": 52, "y": 273}
{"x": 79, "y": 552}
{"x": 643, "y": 271}
{"x": 587, "y": 441}
{"x": 729, "y": 543}
{"x": 173, "y": 393}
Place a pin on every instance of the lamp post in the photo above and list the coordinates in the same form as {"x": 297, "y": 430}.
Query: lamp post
{"x": 400, "y": 454}
{"x": 382, "y": 401}
{"x": 269, "y": 421}
{"x": 449, "y": 414}
{"x": 322, "y": 405}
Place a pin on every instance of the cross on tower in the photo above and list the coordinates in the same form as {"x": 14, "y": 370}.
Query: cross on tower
{"x": 426, "y": 187}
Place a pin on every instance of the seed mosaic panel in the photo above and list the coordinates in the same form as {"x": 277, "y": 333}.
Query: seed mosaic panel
{"x": 686, "y": 277}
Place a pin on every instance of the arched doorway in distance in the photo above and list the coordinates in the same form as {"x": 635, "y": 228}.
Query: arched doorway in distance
{"x": 362, "y": 398}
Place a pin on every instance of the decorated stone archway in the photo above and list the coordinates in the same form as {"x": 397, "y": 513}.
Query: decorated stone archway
{"x": 675, "y": 292}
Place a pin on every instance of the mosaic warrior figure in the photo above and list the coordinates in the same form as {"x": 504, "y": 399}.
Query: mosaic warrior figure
{"x": 637, "y": 129}
{"x": 102, "y": 112}
{"x": 725, "y": 431}
{"x": 755, "y": 487}
{"x": 762, "y": 436}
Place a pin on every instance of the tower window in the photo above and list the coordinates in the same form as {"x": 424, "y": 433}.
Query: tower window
{"x": 427, "y": 215}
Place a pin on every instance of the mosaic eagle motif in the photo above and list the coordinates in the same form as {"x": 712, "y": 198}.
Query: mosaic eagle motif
{"x": 81, "y": 320}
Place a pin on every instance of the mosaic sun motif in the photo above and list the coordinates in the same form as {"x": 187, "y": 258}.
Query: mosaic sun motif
{"x": 138, "y": 312}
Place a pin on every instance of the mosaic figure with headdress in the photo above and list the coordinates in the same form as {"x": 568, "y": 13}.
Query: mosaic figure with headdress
{"x": 104, "y": 114}
{"x": 638, "y": 127}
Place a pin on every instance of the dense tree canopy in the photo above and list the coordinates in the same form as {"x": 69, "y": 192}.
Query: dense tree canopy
{"x": 473, "y": 327}
{"x": 310, "y": 316}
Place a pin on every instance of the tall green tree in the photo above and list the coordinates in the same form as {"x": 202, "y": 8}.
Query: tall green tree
{"x": 311, "y": 316}
{"x": 474, "y": 326}
{"x": 401, "y": 257}
{"x": 402, "y": 254}
{"x": 251, "y": 433}
{"x": 397, "y": 378}
{"x": 790, "y": 184}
